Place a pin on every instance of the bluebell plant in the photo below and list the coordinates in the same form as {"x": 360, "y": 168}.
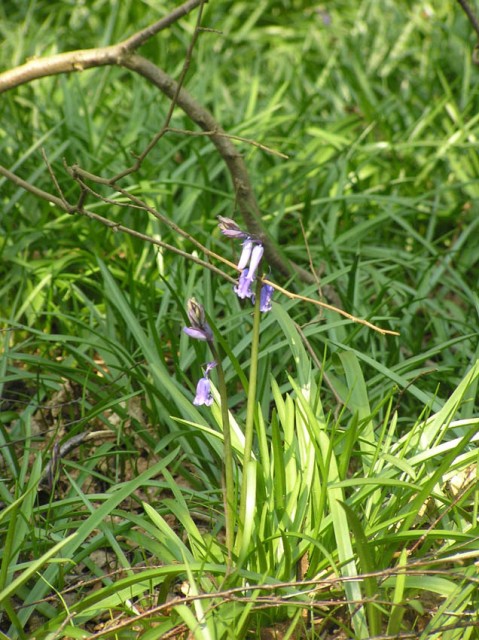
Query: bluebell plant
{"x": 199, "y": 329}
{"x": 266, "y": 298}
{"x": 260, "y": 293}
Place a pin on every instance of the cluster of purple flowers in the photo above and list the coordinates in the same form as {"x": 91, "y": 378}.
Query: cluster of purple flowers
{"x": 251, "y": 255}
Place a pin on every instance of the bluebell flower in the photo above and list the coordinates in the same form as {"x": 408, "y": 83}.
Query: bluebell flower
{"x": 200, "y": 329}
{"x": 250, "y": 258}
{"x": 199, "y": 334}
{"x": 203, "y": 388}
{"x": 245, "y": 253}
{"x": 256, "y": 255}
{"x": 243, "y": 288}
{"x": 203, "y": 393}
{"x": 253, "y": 253}
{"x": 266, "y": 295}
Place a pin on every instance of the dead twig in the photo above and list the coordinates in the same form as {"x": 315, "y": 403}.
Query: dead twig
{"x": 124, "y": 54}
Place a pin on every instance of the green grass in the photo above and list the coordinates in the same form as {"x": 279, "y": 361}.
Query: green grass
{"x": 362, "y": 492}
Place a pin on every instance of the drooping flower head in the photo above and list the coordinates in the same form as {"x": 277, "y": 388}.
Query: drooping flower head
{"x": 203, "y": 388}
{"x": 203, "y": 393}
{"x": 200, "y": 329}
{"x": 265, "y": 300}
{"x": 243, "y": 288}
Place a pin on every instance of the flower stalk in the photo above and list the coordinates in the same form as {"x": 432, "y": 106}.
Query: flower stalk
{"x": 229, "y": 489}
{"x": 201, "y": 330}
{"x": 250, "y": 411}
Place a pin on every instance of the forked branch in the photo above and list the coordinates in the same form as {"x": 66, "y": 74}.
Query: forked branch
{"x": 124, "y": 54}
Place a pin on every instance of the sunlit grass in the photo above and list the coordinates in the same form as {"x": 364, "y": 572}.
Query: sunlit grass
{"x": 365, "y": 452}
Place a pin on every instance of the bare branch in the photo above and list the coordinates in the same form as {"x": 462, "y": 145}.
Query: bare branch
{"x": 137, "y": 164}
{"x": 466, "y": 7}
{"x": 60, "y": 63}
{"x": 139, "y": 38}
{"x": 121, "y": 55}
{"x": 248, "y": 141}
{"x": 64, "y": 206}
{"x": 90, "y": 58}
{"x": 39, "y": 193}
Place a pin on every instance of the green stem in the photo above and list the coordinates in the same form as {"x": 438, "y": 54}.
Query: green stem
{"x": 250, "y": 409}
{"x": 229, "y": 493}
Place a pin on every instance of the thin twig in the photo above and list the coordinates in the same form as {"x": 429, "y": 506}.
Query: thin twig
{"x": 186, "y": 64}
{"x": 470, "y": 15}
{"x": 49, "y": 197}
{"x": 138, "y": 39}
{"x": 230, "y": 136}
{"x": 122, "y": 54}
{"x": 320, "y": 367}
{"x": 44, "y": 195}
{"x": 325, "y": 305}
{"x": 53, "y": 177}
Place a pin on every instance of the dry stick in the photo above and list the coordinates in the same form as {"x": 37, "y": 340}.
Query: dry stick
{"x": 316, "y": 584}
{"x": 237, "y": 594}
{"x": 230, "y": 136}
{"x": 54, "y": 178}
{"x": 122, "y": 54}
{"x": 90, "y": 58}
{"x": 44, "y": 195}
{"x": 470, "y": 15}
{"x": 71, "y": 209}
{"x": 137, "y": 39}
{"x": 433, "y": 525}
{"x": 80, "y": 175}
{"x": 60, "y": 451}
{"x": 169, "y": 115}
{"x": 320, "y": 367}
{"x": 324, "y": 305}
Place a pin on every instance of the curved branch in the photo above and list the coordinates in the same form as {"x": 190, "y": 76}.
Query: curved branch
{"x": 71, "y": 209}
{"x": 246, "y": 199}
{"x": 60, "y": 63}
{"x": 65, "y": 206}
{"x": 122, "y": 54}
{"x": 470, "y": 15}
{"x": 90, "y": 58}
